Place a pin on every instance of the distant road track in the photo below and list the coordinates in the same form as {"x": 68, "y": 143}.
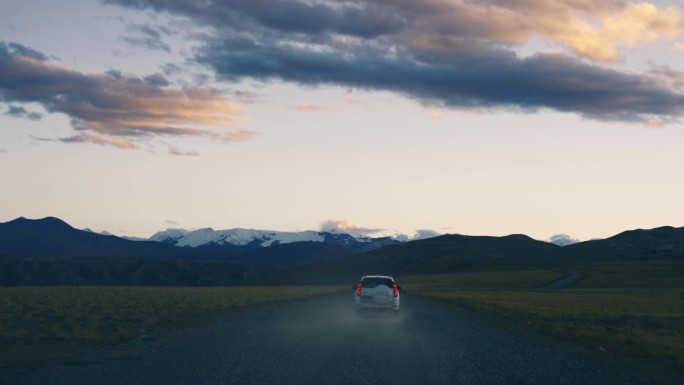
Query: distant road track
{"x": 569, "y": 279}
{"x": 322, "y": 341}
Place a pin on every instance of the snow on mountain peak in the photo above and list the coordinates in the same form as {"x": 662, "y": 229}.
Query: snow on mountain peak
{"x": 169, "y": 236}
{"x": 235, "y": 237}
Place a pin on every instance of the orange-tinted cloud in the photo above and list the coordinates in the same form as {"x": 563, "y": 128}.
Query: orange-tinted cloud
{"x": 107, "y": 107}
{"x": 238, "y": 135}
{"x": 633, "y": 25}
{"x": 595, "y": 30}
{"x": 109, "y": 140}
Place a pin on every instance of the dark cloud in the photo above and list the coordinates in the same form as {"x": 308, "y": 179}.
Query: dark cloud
{"x": 456, "y": 54}
{"x": 171, "y": 69}
{"x": 38, "y": 138}
{"x": 353, "y": 18}
{"x": 157, "y": 80}
{"x": 147, "y": 43}
{"x": 113, "y": 105}
{"x": 21, "y": 112}
{"x": 542, "y": 81}
{"x": 146, "y": 30}
{"x": 147, "y": 37}
{"x": 245, "y": 97}
{"x": 27, "y": 52}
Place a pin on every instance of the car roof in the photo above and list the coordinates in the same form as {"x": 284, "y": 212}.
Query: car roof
{"x": 377, "y": 276}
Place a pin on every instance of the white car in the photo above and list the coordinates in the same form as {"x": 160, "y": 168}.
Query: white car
{"x": 377, "y": 291}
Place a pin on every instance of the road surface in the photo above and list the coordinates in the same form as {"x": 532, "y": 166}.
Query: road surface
{"x": 569, "y": 279}
{"x": 322, "y": 341}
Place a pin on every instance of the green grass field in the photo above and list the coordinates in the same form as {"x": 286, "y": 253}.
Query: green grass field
{"x": 490, "y": 280}
{"x": 634, "y": 307}
{"x": 634, "y": 275}
{"x": 38, "y": 323}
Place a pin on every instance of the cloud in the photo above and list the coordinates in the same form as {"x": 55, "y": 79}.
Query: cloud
{"x": 593, "y": 30}
{"x": 419, "y": 234}
{"x": 171, "y": 222}
{"x": 562, "y": 240}
{"x": 309, "y": 107}
{"x": 112, "y": 105}
{"x": 436, "y": 113}
{"x": 347, "y": 227}
{"x": 147, "y": 43}
{"x": 171, "y": 69}
{"x": 349, "y": 99}
{"x": 175, "y": 151}
{"x": 238, "y": 135}
{"x": 21, "y": 112}
{"x": 147, "y": 37}
{"x": 288, "y": 16}
{"x": 424, "y": 234}
{"x": 89, "y": 137}
{"x": 456, "y": 54}
{"x": 27, "y": 52}
{"x": 3, "y": 151}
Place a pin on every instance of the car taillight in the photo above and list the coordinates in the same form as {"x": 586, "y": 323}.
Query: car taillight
{"x": 358, "y": 289}
{"x": 395, "y": 289}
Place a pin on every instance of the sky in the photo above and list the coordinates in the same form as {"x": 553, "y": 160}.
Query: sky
{"x": 385, "y": 117}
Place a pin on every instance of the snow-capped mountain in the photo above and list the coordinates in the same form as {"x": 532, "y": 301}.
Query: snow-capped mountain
{"x": 248, "y": 239}
{"x": 169, "y": 236}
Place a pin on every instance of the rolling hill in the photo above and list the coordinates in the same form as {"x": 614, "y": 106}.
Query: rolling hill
{"x": 52, "y": 237}
{"x": 452, "y": 253}
{"x": 441, "y": 254}
{"x": 659, "y": 243}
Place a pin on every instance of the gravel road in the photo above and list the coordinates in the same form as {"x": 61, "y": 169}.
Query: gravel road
{"x": 322, "y": 341}
{"x": 569, "y": 279}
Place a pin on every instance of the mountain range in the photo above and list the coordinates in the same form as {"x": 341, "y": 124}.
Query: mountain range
{"x": 52, "y": 237}
{"x": 250, "y": 239}
{"x": 49, "y": 251}
{"x": 459, "y": 253}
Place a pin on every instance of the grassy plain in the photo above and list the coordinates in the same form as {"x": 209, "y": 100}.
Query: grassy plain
{"x": 490, "y": 280}
{"x": 636, "y": 307}
{"x": 38, "y": 323}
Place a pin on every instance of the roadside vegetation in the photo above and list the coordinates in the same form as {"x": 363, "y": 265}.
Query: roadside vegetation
{"x": 38, "y": 323}
{"x": 637, "y": 307}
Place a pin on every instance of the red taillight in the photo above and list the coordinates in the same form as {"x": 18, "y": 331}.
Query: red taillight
{"x": 395, "y": 289}
{"x": 358, "y": 289}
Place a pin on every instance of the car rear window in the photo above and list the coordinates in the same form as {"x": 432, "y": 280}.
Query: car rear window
{"x": 373, "y": 282}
